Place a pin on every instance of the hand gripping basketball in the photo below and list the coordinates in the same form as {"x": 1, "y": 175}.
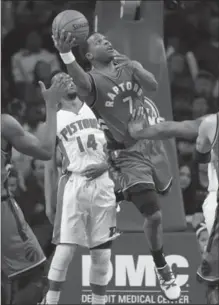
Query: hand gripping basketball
{"x": 64, "y": 42}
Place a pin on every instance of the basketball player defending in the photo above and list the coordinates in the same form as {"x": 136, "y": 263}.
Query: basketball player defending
{"x": 207, "y": 141}
{"x": 21, "y": 251}
{"x": 86, "y": 207}
{"x": 206, "y": 131}
{"x": 113, "y": 91}
{"x": 138, "y": 129}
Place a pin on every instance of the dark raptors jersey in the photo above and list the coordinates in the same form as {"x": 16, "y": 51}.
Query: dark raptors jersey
{"x": 116, "y": 97}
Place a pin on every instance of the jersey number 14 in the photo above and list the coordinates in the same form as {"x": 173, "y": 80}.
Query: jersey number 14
{"x": 91, "y": 143}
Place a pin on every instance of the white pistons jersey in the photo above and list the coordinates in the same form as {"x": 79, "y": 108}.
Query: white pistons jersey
{"x": 81, "y": 141}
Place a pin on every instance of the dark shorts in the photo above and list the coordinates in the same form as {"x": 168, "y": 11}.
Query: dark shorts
{"x": 21, "y": 251}
{"x": 145, "y": 163}
{"x": 209, "y": 269}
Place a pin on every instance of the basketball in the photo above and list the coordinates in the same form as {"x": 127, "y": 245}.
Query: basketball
{"x": 73, "y": 22}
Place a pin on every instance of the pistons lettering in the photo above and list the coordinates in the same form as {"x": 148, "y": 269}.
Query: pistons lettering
{"x": 72, "y": 128}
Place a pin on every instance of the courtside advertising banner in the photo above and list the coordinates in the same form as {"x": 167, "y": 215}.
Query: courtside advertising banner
{"x": 132, "y": 276}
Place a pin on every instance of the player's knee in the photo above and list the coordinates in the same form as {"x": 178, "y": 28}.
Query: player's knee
{"x": 155, "y": 219}
{"x": 63, "y": 255}
{"x": 100, "y": 263}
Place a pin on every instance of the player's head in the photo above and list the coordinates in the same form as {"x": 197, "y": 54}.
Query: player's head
{"x": 98, "y": 48}
{"x": 70, "y": 88}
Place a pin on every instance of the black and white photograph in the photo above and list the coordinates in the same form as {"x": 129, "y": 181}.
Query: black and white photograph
{"x": 109, "y": 152}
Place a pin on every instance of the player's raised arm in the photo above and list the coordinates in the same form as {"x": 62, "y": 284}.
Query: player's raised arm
{"x": 164, "y": 130}
{"x": 145, "y": 78}
{"x": 64, "y": 43}
{"x": 51, "y": 176}
{"x": 23, "y": 141}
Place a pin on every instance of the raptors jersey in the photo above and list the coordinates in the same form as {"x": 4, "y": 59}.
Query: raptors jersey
{"x": 80, "y": 140}
{"x": 116, "y": 97}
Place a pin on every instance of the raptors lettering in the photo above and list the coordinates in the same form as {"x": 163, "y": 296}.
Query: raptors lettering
{"x": 123, "y": 87}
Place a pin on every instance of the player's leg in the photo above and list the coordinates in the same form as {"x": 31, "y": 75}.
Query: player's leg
{"x": 209, "y": 208}
{"x": 209, "y": 269}
{"x": 101, "y": 230}
{"x": 145, "y": 199}
{"x": 212, "y": 294}
{"x": 99, "y": 269}
{"x": 58, "y": 270}
{"x": 69, "y": 231}
{"x": 21, "y": 252}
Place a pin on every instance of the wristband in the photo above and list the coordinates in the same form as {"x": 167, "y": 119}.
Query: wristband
{"x": 67, "y": 58}
{"x": 202, "y": 158}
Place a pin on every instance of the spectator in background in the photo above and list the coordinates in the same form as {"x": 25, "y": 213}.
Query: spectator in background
{"x": 207, "y": 51}
{"x": 199, "y": 107}
{"x": 42, "y": 72}
{"x": 24, "y": 61}
{"x": 204, "y": 84}
{"x": 185, "y": 150}
{"x": 188, "y": 190}
{"x": 202, "y": 236}
{"x": 179, "y": 73}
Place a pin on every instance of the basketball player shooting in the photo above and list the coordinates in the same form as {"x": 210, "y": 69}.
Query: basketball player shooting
{"x": 85, "y": 212}
{"x": 205, "y": 131}
{"x": 113, "y": 91}
{"x": 21, "y": 251}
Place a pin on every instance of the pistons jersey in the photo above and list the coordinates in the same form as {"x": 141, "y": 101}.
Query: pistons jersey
{"x": 80, "y": 140}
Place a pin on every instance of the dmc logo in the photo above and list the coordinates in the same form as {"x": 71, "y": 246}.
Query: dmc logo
{"x": 152, "y": 112}
{"x": 131, "y": 272}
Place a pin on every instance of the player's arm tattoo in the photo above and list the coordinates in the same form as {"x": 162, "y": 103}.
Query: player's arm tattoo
{"x": 145, "y": 78}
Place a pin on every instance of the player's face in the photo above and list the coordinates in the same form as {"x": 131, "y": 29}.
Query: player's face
{"x": 70, "y": 87}
{"x": 12, "y": 185}
{"x": 100, "y": 49}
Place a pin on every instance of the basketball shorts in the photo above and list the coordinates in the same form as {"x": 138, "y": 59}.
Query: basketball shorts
{"x": 145, "y": 163}
{"x": 21, "y": 251}
{"x": 86, "y": 211}
{"x": 209, "y": 269}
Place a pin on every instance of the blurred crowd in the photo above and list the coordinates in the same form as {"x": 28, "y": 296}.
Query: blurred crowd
{"x": 28, "y": 55}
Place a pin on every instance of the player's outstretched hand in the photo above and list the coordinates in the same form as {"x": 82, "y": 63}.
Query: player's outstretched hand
{"x": 63, "y": 41}
{"x": 122, "y": 60}
{"x": 137, "y": 121}
{"x": 94, "y": 171}
{"x": 55, "y": 92}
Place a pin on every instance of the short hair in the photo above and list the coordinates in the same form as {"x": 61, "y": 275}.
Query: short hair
{"x": 55, "y": 75}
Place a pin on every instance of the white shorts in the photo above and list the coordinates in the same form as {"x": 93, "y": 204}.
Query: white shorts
{"x": 86, "y": 211}
{"x": 209, "y": 208}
